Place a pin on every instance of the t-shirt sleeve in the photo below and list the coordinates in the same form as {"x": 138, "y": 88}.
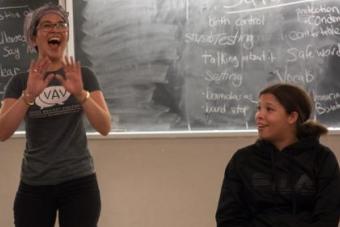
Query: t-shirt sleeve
{"x": 15, "y": 87}
{"x": 89, "y": 79}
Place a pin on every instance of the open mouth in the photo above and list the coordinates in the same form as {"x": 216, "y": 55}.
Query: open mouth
{"x": 54, "y": 41}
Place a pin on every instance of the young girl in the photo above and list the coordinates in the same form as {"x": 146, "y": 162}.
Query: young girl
{"x": 287, "y": 178}
{"x": 57, "y": 169}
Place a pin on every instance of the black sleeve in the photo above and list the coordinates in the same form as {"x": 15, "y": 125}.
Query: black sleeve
{"x": 327, "y": 206}
{"x": 231, "y": 210}
{"x": 327, "y": 201}
{"x": 89, "y": 80}
{"x": 16, "y": 86}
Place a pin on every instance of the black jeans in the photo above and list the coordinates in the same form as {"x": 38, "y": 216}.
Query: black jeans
{"x": 77, "y": 202}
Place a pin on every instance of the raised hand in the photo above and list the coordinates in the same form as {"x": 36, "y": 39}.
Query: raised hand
{"x": 37, "y": 80}
{"x": 72, "y": 81}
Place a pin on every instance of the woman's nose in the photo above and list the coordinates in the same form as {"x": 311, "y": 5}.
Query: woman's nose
{"x": 258, "y": 114}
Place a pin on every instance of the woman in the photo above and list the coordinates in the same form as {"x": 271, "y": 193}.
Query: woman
{"x": 57, "y": 169}
{"x": 287, "y": 178}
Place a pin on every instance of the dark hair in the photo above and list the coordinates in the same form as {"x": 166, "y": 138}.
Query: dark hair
{"x": 296, "y": 99}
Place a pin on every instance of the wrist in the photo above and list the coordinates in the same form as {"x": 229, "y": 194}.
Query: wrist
{"x": 83, "y": 97}
{"x": 28, "y": 98}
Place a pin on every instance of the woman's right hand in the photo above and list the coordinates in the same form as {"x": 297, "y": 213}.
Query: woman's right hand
{"x": 37, "y": 81}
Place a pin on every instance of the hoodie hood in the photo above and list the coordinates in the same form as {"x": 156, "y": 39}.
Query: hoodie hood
{"x": 301, "y": 146}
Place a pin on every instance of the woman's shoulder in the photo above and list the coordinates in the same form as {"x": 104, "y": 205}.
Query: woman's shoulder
{"x": 324, "y": 152}
{"x": 324, "y": 157}
{"x": 246, "y": 151}
{"x": 16, "y": 84}
{"x": 87, "y": 70}
{"x": 20, "y": 78}
{"x": 90, "y": 81}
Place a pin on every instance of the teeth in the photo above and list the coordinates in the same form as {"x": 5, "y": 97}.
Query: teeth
{"x": 54, "y": 39}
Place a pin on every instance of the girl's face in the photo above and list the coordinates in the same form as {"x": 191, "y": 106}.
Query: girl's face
{"x": 273, "y": 122}
{"x": 52, "y": 36}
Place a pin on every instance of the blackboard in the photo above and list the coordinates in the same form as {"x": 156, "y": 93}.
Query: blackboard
{"x": 14, "y": 54}
{"x": 188, "y": 65}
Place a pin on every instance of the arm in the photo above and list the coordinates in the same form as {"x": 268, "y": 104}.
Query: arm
{"x": 327, "y": 201}
{"x": 327, "y": 207}
{"x": 15, "y": 106}
{"x": 93, "y": 103}
{"x": 11, "y": 114}
{"x": 232, "y": 211}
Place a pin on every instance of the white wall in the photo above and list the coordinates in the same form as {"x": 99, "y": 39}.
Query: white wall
{"x": 159, "y": 182}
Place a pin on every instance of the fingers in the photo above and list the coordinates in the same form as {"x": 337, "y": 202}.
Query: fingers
{"x": 72, "y": 68}
{"x": 78, "y": 66}
{"x": 69, "y": 61}
{"x": 50, "y": 77}
{"x": 39, "y": 67}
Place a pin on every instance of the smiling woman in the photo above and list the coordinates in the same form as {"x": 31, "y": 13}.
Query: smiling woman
{"x": 52, "y": 98}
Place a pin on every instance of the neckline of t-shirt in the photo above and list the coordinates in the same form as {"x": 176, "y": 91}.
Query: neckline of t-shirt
{"x": 60, "y": 70}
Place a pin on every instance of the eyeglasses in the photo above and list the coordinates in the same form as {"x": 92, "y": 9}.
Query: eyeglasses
{"x": 46, "y": 27}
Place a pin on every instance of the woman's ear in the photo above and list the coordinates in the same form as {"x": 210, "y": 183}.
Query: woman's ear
{"x": 34, "y": 44}
{"x": 293, "y": 117}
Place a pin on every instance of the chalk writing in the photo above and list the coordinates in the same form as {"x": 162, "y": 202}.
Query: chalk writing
{"x": 13, "y": 12}
{"x": 316, "y": 9}
{"x": 294, "y": 54}
{"x": 327, "y": 97}
{"x": 319, "y": 20}
{"x": 235, "y": 78}
{"x": 306, "y": 77}
{"x": 221, "y": 58}
{"x": 313, "y": 33}
{"x": 322, "y": 109}
{"x": 215, "y": 56}
{"x": 8, "y": 72}
{"x": 8, "y": 39}
{"x": 8, "y": 52}
{"x": 223, "y": 109}
{"x": 261, "y": 5}
{"x": 222, "y": 39}
{"x": 214, "y": 21}
{"x": 250, "y": 21}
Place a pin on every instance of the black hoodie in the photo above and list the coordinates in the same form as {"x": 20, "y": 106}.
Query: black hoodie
{"x": 296, "y": 187}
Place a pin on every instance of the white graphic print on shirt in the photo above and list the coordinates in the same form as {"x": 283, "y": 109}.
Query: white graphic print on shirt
{"x": 51, "y": 96}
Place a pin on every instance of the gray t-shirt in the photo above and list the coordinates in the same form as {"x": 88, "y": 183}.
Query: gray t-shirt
{"x": 56, "y": 144}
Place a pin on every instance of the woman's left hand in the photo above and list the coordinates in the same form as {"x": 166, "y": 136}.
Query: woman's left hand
{"x": 72, "y": 81}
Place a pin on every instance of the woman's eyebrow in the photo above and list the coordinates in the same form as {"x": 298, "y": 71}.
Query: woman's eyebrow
{"x": 48, "y": 21}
